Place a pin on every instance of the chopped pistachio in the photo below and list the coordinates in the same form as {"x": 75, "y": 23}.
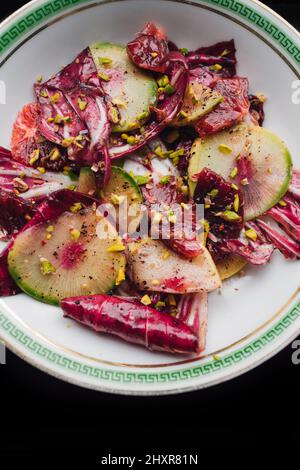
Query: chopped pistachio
{"x": 184, "y": 189}
{"x": 206, "y": 226}
{"x": 104, "y": 61}
{"x": 132, "y": 140}
{"x": 20, "y": 184}
{"x": 82, "y": 104}
{"x": 236, "y": 202}
{"x": 163, "y": 81}
{"x": 184, "y": 51}
{"x": 50, "y": 229}
{"x": 76, "y": 207}
{"x": 117, "y": 200}
{"x": 182, "y": 115}
{"x": 55, "y": 98}
{"x": 55, "y": 155}
{"x": 132, "y": 125}
{"x": 34, "y": 157}
{"x": 145, "y": 300}
{"x": 165, "y": 255}
{"x": 165, "y": 179}
{"x": 41, "y": 169}
{"x": 175, "y": 161}
{"x": 216, "y": 67}
{"x": 143, "y": 116}
{"x": 114, "y": 115}
{"x": 213, "y": 193}
{"x": 234, "y": 172}
{"x": 225, "y": 148}
{"x": 39, "y": 79}
{"x": 169, "y": 89}
{"x": 141, "y": 180}
{"x": 119, "y": 103}
{"x": 251, "y": 234}
{"x": 47, "y": 267}
{"x": 124, "y": 136}
{"x": 172, "y": 217}
{"x": 44, "y": 94}
{"x": 225, "y": 52}
{"x": 261, "y": 97}
{"x": 216, "y": 358}
{"x": 75, "y": 234}
{"x": 120, "y": 276}
{"x": 234, "y": 186}
{"x": 229, "y": 216}
{"x": 177, "y": 153}
{"x": 49, "y": 236}
{"x": 118, "y": 247}
{"x": 104, "y": 77}
{"x": 282, "y": 203}
{"x": 68, "y": 142}
{"x": 159, "y": 304}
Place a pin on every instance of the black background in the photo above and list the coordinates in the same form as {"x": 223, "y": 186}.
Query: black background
{"x": 53, "y": 419}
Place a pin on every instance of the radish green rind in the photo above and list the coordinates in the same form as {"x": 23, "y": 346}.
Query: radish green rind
{"x": 82, "y": 267}
{"x": 268, "y": 162}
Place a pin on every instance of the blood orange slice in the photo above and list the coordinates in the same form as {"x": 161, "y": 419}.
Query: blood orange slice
{"x": 25, "y": 134}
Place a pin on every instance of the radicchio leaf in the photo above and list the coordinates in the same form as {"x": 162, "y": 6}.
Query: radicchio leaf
{"x": 174, "y": 65}
{"x": 288, "y": 216}
{"x": 257, "y": 252}
{"x": 220, "y": 54}
{"x": 149, "y": 48}
{"x": 294, "y": 188}
{"x": 193, "y": 310}
{"x": 132, "y": 322}
{"x": 285, "y": 244}
{"x": 223, "y": 204}
{"x": 257, "y": 109}
{"x": 27, "y": 182}
{"x": 7, "y": 285}
{"x": 83, "y": 99}
{"x": 14, "y": 213}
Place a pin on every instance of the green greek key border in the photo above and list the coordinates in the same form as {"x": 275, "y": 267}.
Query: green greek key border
{"x": 131, "y": 377}
{"x": 17, "y": 31}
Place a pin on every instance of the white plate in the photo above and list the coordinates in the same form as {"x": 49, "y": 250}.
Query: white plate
{"x": 254, "y": 316}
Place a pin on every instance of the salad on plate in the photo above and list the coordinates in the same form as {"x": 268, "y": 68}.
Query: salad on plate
{"x": 139, "y": 179}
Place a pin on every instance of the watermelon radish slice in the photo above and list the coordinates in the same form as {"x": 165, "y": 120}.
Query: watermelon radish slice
{"x": 131, "y": 90}
{"x": 69, "y": 256}
{"x": 254, "y": 159}
{"x": 152, "y": 266}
